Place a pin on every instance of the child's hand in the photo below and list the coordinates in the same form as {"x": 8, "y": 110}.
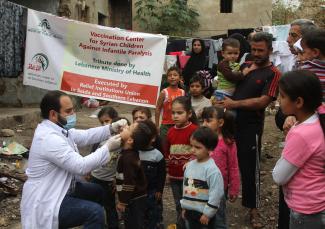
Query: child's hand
{"x": 158, "y": 195}
{"x": 249, "y": 69}
{"x": 120, "y": 207}
{"x": 183, "y": 214}
{"x": 288, "y": 123}
{"x": 204, "y": 220}
{"x": 232, "y": 198}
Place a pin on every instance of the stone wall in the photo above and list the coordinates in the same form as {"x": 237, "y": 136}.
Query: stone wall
{"x": 245, "y": 14}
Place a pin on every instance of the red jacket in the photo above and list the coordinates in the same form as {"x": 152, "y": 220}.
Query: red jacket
{"x": 178, "y": 149}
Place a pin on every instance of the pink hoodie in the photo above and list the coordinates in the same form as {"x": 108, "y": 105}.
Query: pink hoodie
{"x": 225, "y": 157}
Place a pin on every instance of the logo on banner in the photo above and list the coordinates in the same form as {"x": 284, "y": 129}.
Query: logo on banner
{"x": 45, "y": 25}
{"x": 39, "y": 63}
{"x": 44, "y": 28}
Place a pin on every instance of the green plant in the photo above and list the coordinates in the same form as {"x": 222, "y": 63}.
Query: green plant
{"x": 173, "y": 17}
{"x": 147, "y": 14}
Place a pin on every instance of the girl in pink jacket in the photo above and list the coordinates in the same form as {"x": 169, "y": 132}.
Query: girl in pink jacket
{"x": 224, "y": 155}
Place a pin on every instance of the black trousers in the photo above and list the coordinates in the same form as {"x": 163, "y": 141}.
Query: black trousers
{"x": 248, "y": 140}
{"x": 193, "y": 220}
{"x": 134, "y": 213}
{"x": 284, "y": 212}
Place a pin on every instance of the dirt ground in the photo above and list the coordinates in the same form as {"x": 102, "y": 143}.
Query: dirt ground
{"x": 236, "y": 215}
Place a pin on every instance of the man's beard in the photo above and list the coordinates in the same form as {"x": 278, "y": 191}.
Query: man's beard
{"x": 261, "y": 61}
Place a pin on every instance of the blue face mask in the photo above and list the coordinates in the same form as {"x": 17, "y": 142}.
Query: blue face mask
{"x": 71, "y": 121}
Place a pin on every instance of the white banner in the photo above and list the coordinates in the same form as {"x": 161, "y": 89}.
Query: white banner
{"x": 93, "y": 61}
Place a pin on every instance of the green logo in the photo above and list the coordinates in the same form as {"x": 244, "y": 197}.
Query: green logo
{"x": 45, "y": 25}
{"x": 39, "y": 62}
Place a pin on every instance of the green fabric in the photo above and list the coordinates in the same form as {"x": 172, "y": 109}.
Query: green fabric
{"x": 223, "y": 83}
{"x": 164, "y": 129}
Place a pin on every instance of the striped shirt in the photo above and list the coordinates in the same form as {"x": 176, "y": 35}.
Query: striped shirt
{"x": 202, "y": 187}
{"x": 317, "y": 67}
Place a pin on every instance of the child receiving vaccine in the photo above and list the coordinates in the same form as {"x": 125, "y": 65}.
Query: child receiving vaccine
{"x": 131, "y": 184}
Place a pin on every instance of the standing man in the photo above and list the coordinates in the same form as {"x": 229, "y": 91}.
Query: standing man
{"x": 298, "y": 28}
{"x": 52, "y": 197}
{"x": 251, "y": 97}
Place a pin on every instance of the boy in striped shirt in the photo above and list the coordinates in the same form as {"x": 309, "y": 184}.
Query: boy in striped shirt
{"x": 313, "y": 44}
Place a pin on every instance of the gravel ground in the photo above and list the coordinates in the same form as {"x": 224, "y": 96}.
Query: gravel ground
{"x": 236, "y": 214}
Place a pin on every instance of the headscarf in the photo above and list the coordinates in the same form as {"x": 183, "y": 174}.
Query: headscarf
{"x": 196, "y": 62}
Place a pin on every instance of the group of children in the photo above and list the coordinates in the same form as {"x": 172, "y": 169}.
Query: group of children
{"x": 202, "y": 166}
{"x": 202, "y": 161}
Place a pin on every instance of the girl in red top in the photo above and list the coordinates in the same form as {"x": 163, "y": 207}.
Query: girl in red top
{"x": 164, "y": 102}
{"x": 179, "y": 149}
{"x": 225, "y": 155}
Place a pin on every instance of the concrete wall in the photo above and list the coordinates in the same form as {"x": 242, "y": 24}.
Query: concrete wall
{"x": 91, "y": 9}
{"x": 49, "y": 6}
{"x": 246, "y": 14}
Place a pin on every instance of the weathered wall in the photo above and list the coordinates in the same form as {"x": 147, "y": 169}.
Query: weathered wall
{"x": 246, "y": 14}
{"x": 49, "y": 6}
{"x": 87, "y": 10}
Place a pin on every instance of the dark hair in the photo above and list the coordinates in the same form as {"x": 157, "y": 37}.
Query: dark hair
{"x": 143, "y": 134}
{"x": 51, "y": 101}
{"x": 265, "y": 37}
{"x": 304, "y": 84}
{"x": 144, "y": 110}
{"x": 174, "y": 68}
{"x": 197, "y": 79}
{"x": 228, "y": 128}
{"x": 206, "y": 137}
{"x": 244, "y": 45}
{"x": 119, "y": 118}
{"x": 315, "y": 39}
{"x": 110, "y": 111}
{"x": 232, "y": 42}
{"x": 187, "y": 105}
{"x": 202, "y": 45}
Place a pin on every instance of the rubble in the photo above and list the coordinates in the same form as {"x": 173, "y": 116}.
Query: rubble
{"x": 7, "y": 133}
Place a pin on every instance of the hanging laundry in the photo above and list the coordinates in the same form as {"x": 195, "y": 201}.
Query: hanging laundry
{"x": 11, "y": 39}
{"x": 279, "y": 32}
{"x": 281, "y": 56}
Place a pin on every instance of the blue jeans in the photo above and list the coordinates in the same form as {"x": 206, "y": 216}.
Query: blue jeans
{"x": 83, "y": 207}
{"x": 193, "y": 221}
{"x": 303, "y": 221}
{"x": 153, "y": 215}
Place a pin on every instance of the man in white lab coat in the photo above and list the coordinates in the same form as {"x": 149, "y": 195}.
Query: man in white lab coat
{"x": 52, "y": 197}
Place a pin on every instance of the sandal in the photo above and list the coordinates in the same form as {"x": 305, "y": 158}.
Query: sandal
{"x": 255, "y": 219}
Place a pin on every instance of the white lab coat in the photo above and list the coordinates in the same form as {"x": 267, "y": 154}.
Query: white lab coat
{"x": 53, "y": 160}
